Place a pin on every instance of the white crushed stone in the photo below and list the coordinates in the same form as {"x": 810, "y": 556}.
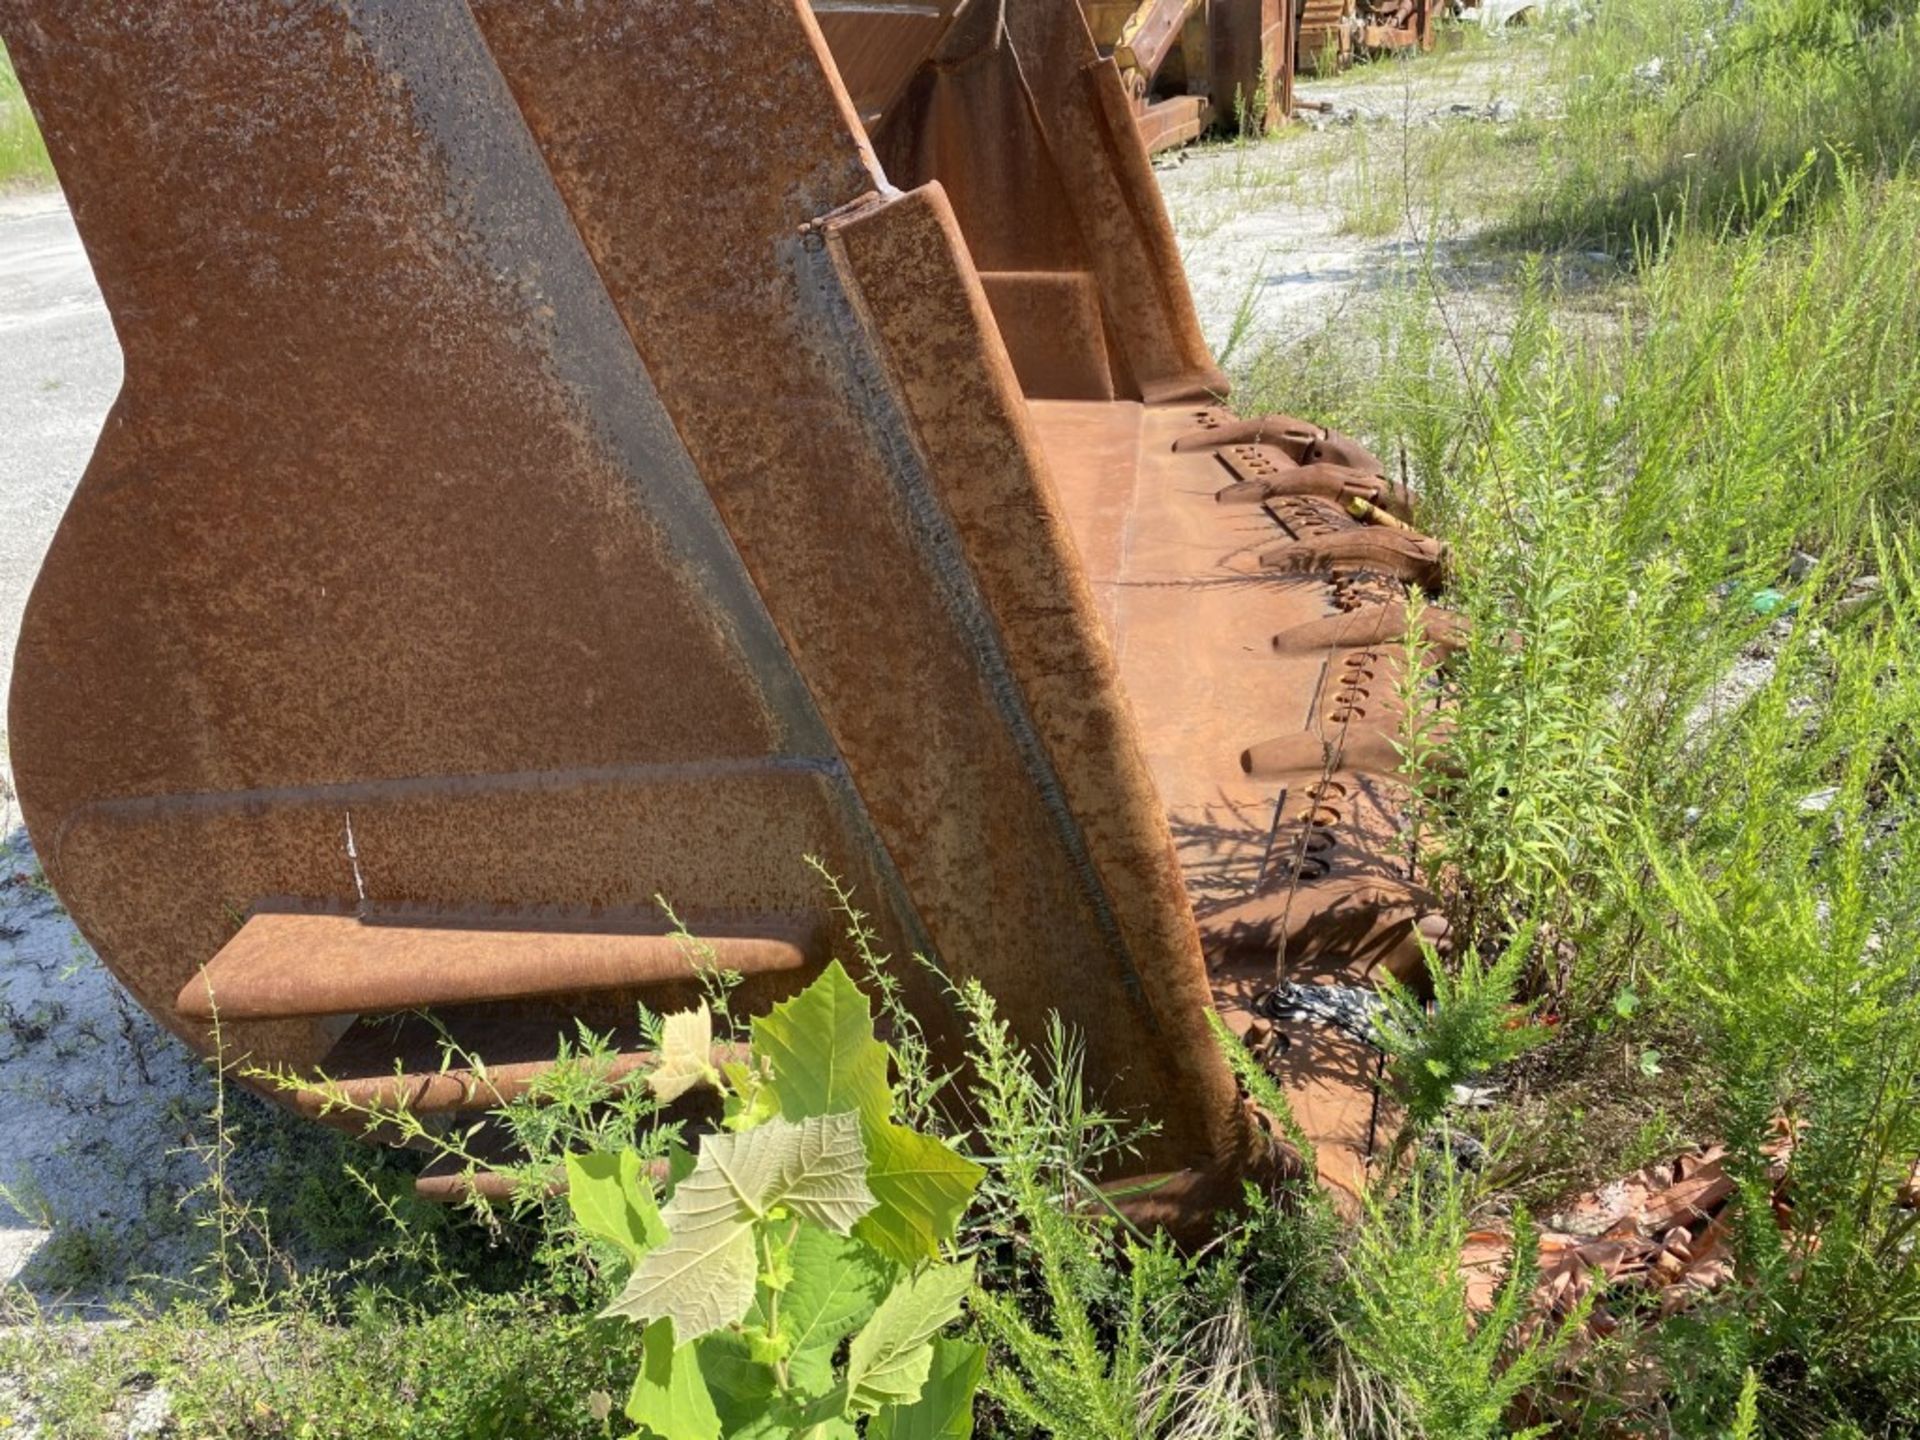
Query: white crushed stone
{"x": 96, "y": 1101}
{"x": 1262, "y": 224}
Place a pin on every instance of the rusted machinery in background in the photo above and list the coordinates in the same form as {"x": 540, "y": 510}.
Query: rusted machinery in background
{"x": 571, "y": 455}
{"x": 1191, "y": 66}
{"x": 1331, "y": 33}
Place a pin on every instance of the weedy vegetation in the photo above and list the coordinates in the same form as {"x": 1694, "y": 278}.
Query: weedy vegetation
{"x": 1675, "y": 775}
{"x": 23, "y": 155}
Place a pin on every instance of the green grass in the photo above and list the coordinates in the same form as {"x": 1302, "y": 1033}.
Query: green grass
{"x": 23, "y": 155}
{"x": 1730, "y": 117}
{"x": 1721, "y": 875}
{"x": 489, "y": 1369}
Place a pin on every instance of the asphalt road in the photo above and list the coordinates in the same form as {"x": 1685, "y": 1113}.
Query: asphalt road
{"x": 59, "y": 372}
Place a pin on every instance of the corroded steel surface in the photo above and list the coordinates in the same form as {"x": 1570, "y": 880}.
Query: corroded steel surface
{"x": 295, "y": 963}
{"x": 501, "y": 524}
{"x": 1324, "y": 34}
{"x": 1333, "y": 32}
{"x": 1190, "y": 65}
{"x": 388, "y": 531}
{"x": 1261, "y": 661}
{"x": 878, "y": 44}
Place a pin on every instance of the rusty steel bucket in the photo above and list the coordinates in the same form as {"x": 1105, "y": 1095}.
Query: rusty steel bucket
{"x": 573, "y": 455}
{"x": 1190, "y": 66}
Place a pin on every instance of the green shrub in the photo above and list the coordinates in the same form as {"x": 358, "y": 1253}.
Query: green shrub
{"x": 23, "y": 155}
{"x": 1474, "y": 1024}
{"x": 812, "y": 1220}
{"x": 494, "y": 1368}
{"x": 1452, "y": 1375}
{"x": 1706, "y": 109}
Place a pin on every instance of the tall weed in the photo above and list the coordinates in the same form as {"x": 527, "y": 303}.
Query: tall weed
{"x": 1708, "y": 107}
{"x": 1454, "y": 1375}
{"x": 23, "y": 155}
{"x": 1677, "y": 749}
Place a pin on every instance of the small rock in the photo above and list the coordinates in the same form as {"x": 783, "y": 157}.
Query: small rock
{"x": 1860, "y": 594}
{"x": 1820, "y": 801}
{"x": 17, "y": 1249}
{"x": 151, "y": 1412}
{"x": 1801, "y": 565}
{"x": 1466, "y": 1152}
{"x": 1503, "y": 112}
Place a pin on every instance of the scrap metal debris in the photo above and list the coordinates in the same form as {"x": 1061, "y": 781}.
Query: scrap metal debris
{"x": 1655, "y": 1242}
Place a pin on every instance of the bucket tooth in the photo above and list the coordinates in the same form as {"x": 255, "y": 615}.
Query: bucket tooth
{"x": 1217, "y": 431}
{"x": 1317, "y": 547}
{"x": 1374, "y": 622}
{"x": 1335, "y": 899}
{"x": 1361, "y": 747}
{"x": 1303, "y": 441}
{"x": 1264, "y": 472}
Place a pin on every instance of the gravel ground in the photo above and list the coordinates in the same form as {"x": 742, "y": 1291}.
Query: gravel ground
{"x": 59, "y": 371}
{"x": 1266, "y": 226}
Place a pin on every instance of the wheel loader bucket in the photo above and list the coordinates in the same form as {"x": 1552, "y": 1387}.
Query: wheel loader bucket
{"x": 573, "y": 455}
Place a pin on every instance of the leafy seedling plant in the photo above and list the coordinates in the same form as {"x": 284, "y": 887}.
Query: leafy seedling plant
{"x": 809, "y": 1221}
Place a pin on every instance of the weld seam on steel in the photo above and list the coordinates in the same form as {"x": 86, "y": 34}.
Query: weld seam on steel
{"x": 407, "y": 787}
{"x": 885, "y": 416}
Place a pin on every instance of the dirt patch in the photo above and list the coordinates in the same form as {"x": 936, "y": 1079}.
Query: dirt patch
{"x": 1279, "y": 235}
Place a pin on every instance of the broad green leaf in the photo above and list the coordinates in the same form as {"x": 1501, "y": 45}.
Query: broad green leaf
{"x": 944, "y": 1410}
{"x": 742, "y": 1388}
{"x": 686, "y": 1054}
{"x": 613, "y": 1201}
{"x": 823, "y": 1414}
{"x": 816, "y": 1169}
{"x": 750, "y": 1100}
{"x": 747, "y": 1396}
{"x": 680, "y": 1163}
{"x": 703, "y": 1277}
{"x": 825, "y": 1060}
{"x": 670, "y": 1397}
{"x": 920, "y": 1188}
{"x": 837, "y": 1283}
{"x": 824, "y": 1057}
{"x": 890, "y": 1358}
